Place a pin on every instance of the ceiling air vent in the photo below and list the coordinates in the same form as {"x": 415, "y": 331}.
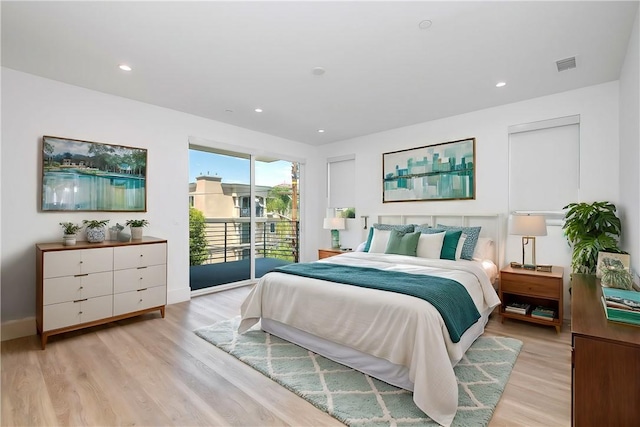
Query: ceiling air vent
{"x": 566, "y": 64}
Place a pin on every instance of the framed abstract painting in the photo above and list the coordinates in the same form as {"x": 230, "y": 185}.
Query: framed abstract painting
{"x": 92, "y": 176}
{"x": 444, "y": 171}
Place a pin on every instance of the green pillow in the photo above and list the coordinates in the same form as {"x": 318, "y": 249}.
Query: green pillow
{"x": 402, "y": 243}
{"x": 450, "y": 244}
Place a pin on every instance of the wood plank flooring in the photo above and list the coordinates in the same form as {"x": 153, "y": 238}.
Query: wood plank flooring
{"x": 151, "y": 371}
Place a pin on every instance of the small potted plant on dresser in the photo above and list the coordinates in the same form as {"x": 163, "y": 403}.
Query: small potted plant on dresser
{"x": 136, "y": 226}
{"x": 69, "y": 229}
{"x": 95, "y": 230}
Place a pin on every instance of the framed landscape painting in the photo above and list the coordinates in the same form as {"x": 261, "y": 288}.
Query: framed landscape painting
{"x": 91, "y": 176}
{"x": 444, "y": 171}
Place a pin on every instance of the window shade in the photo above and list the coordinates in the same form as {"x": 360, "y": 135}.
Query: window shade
{"x": 544, "y": 168}
{"x": 342, "y": 177}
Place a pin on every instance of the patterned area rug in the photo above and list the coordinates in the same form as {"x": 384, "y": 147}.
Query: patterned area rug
{"x": 357, "y": 399}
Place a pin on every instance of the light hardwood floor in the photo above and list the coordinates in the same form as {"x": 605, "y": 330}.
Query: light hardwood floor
{"x": 151, "y": 371}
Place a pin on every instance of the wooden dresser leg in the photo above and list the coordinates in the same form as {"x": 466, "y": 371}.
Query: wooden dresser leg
{"x": 43, "y": 340}
{"x": 162, "y": 311}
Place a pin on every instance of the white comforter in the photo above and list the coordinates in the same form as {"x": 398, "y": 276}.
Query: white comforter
{"x": 399, "y": 328}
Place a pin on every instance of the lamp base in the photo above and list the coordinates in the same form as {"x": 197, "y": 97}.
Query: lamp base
{"x": 335, "y": 239}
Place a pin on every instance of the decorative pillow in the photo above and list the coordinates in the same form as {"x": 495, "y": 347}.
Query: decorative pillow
{"x": 360, "y": 247}
{"x": 463, "y": 239}
{"x": 402, "y": 243}
{"x": 470, "y": 243}
{"x": 450, "y": 245}
{"x": 484, "y": 248}
{"x": 379, "y": 241}
{"x": 408, "y": 228}
{"x": 430, "y": 245}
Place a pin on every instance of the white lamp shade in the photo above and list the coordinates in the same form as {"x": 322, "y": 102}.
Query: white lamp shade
{"x": 335, "y": 223}
{"x": 528, "y": 225}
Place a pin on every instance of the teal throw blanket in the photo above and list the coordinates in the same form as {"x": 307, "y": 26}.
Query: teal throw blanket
{"x": 449, "y": 297}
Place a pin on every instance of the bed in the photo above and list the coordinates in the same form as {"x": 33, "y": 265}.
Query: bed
{"x": 396, "y": 337}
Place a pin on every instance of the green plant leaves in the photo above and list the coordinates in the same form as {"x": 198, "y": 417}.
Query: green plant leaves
{"x": 591, "y": 228}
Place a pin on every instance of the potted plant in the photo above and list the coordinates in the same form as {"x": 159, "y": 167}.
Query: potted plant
{"x": 95, "y": 230}
{"x": 591, "y": 228}
{"x": 136, "y": 226}
{"x": 69, "y": 229}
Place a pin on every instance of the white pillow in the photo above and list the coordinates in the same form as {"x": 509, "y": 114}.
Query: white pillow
{"x": 430, "y": 245}
{"x": 463, "y": 237}
{"x": 484, "y": 248}
{"x": 379, "y": 241}
{"x": 361, "y": 247}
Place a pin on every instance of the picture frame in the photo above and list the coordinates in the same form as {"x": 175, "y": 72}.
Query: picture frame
{"x": 82, "y": 175}
{"x": 624, "y": 260}
{"x": 444, "y": 171}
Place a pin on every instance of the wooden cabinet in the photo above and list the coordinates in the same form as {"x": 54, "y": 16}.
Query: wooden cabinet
{"x": 326, "y": 253}
{"x": 93, "y": 283}
{"x": 605, "y": 380}
{"x": 535, "y": 288}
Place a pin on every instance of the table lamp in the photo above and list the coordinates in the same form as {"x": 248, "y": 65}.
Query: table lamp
{"x": 335, "y": 224}
{"x": 528, "y": 226}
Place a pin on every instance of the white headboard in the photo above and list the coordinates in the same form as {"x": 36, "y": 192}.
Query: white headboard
{"x": 492, "y": 225}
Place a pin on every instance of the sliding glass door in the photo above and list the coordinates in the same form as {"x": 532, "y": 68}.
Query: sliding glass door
{"x": 243, "y": 216}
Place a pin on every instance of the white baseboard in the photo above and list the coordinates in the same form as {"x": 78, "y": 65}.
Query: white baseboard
{"x": 18, "y": 328}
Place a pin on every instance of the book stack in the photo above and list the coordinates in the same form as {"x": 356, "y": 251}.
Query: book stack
{"x": 543, "y": 313}
{"x": 516, "y": 307}
{"x": 621, "y": 305}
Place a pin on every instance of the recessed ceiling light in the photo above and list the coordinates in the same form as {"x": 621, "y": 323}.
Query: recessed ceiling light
{"x": 425, "y": 25}
{"x": 320, "y": 130}
{"x": 258, "y": 110}
{"x": 124, "y": 67}
{"x": 318, "y": 71}
{"x": 501, "y": 84}
{"x": 228, "y": 110}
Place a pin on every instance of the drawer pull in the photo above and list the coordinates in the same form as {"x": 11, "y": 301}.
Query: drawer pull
{"x": 81, "y": 275}
{"x": 80, "y": 300}
{"x": 79, "y": 312}
{"x": 140, "y": 290}
{"x": 140, "y": 268}
{"x": 140, "y": 300}
{"x": 81, "y": 287}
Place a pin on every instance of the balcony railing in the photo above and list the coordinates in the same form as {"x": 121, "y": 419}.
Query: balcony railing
{"x": 229, "y": 239}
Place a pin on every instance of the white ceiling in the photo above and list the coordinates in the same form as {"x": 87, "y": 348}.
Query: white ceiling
{"x": 382, "y": 70}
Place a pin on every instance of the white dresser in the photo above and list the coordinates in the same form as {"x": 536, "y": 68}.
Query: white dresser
{"x": 94, "y": 283}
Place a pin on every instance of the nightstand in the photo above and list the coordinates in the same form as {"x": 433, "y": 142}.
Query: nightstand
{"x": 534, "y": 288}
{"x": 326, "y": 253}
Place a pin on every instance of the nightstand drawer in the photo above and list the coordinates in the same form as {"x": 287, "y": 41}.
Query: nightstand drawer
{"x": 530, "y": 285}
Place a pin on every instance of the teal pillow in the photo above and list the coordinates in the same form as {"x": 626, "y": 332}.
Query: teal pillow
{"x": 402, "y": 243}
{"x": 470, "y": 243}
{"x": 450, "y": 244}
{"x": 407, "y": 228}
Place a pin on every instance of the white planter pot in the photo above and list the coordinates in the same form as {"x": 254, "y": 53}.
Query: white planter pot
{"x": 136, "y": 233}
{"x": 69, "y": 239}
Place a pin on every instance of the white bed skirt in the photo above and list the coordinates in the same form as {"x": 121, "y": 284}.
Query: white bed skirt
{"x": 376, "y": 367}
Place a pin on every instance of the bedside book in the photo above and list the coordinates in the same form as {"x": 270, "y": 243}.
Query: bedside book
{"x": 519, "y": 308}
{"x": 543, "y": 313}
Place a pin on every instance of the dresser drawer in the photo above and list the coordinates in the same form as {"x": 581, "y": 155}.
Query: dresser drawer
{"x": 138, "y": 278}
{"x": 142, "y": 299}
{"x": 76, "y": 312}
{"x": 139, "y": 256}
{"x": 70, "y": 288}
{"x": 79, "y": 261}
{"x": 530, "y": 285}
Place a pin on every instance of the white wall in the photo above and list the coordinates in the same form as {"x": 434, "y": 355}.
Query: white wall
{"x": 630, "y": 149}
{"x": 33, "y": 107}
{"x": 598, "y": 110}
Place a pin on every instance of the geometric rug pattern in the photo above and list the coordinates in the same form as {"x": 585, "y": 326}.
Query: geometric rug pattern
{"x": 356, "y": 399}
